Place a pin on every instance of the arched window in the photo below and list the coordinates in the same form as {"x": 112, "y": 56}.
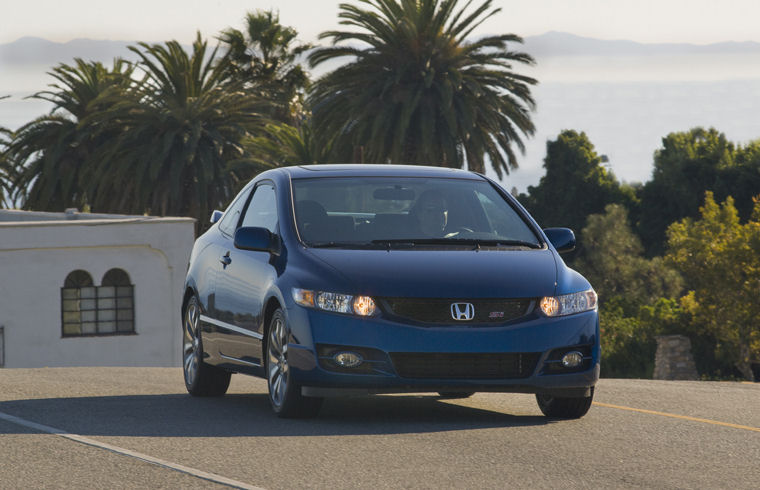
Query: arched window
{"x": 104, "y": 310}
{"x": 116, "y": 303}
{"x": 78, "y": 305}
{"x": 115, "y": 277}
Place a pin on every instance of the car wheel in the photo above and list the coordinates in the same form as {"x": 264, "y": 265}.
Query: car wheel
{"x": 564, "y": 408}
{"x": 284, "y": 393}
{"x": 201, "y": 379}
{"x": 452, "y": 395}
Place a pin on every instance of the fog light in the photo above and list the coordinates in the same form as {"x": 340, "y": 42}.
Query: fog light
{"x": 572, "y": 359}
{"x": 348, "y": 359}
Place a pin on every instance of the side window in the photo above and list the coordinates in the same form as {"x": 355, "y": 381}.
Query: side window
{"x": 262, "y": 211}
{"x": 229, "y": 222}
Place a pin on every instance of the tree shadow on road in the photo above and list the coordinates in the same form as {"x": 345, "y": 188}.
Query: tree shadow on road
{"x": 246, "y": 415}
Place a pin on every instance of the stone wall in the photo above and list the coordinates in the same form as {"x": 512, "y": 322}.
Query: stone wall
{"x": 673, "y": 359}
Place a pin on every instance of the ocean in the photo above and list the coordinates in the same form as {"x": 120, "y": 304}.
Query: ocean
{"x": 626, "y": 121}
{"x": 626, "y": 105}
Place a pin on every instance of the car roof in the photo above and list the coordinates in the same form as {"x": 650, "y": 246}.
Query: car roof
{"x": 377, "y": 170}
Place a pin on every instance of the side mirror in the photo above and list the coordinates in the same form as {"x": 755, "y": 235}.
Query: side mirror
{"x": 216, "y": 216}
{"x": 563, "y": 239}
{"x": 257, "y": 239}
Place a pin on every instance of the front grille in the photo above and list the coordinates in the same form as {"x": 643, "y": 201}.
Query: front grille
{"x": 438, "y": 310}
{"x": 471, "y": 366}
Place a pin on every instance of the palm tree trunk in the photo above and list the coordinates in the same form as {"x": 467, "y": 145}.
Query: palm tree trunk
{"x": 358, "y": 154}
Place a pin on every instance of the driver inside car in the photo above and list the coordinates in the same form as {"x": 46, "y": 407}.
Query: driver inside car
{"x": 431, "y": 211}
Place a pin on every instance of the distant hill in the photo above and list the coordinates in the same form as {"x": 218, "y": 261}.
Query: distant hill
{"x": 37, "y": 51}
{"x": 555, "y": 43}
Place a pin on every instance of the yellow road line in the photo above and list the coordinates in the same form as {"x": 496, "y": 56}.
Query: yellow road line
{"x": 682, "y": 417}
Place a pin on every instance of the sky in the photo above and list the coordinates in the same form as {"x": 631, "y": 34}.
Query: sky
{"x": 649, "y": 21}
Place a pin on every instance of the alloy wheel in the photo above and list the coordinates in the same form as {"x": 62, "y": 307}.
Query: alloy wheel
{"x": 277, "y": 362}
{"x": 192, "y": 343}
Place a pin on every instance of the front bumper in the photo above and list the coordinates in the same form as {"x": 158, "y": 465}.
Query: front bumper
{"x": 534, "y": 344}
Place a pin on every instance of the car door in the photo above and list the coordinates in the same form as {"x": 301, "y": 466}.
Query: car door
{"x": 213, "y": 319}
{"x": 243, "y": 282}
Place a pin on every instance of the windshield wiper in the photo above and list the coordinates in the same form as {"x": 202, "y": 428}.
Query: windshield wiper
{"x": 506, "y": 243}
{"x": 478, "y": 242}
{"x": 341, "y": 245}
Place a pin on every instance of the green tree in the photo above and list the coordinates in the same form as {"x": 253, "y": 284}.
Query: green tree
{"x": 283, "y": 144}
{"x": 416, "y": 91}
{"x": 719, "y": 258}
{"x": 264, "y": 56}
{"x": 688, "y": 164}
{"x": 613, "y": 262}
{"x": 635, "y": 293}
{"x": 51, "y": 151}
{"x": 574, "y": 186}
{"x": 180, "y": 127}
{"x": 629, "y": 340}
{"x": 6, "y": 170}
{"x": 741, "y": 180}
{"x": 628, "y": 346}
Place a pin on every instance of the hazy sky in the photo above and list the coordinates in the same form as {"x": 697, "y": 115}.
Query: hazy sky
{"x": 693, "y": 21}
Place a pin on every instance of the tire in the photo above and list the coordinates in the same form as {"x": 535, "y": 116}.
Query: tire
{"x": 284, "y": 393}
{"x": 453, "y": 395}
{"x": 201, "y": 379}
{"x": 564, "y": 408}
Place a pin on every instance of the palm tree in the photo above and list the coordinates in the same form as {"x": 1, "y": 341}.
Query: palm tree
{"x": 283, "y": 144}
{"x": 416, "y": 91}
{"x": 51, "y": 151}
{"x": 6, "y": 169}
{"x": 179, "y": 129}
{"x": 264, "y": 56}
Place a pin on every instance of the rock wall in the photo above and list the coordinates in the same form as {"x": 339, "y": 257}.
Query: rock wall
{"x": 673, "y": 359}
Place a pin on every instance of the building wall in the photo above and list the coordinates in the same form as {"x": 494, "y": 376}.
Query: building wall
{"x": 36, "y": 257}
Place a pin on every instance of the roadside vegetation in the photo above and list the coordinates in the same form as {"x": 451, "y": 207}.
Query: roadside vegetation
{"x": 178, "y": 132}
{"x": 679, "y": 254}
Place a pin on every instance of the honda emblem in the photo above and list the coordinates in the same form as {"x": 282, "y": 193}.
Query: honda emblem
{"x": 462, "y": 311}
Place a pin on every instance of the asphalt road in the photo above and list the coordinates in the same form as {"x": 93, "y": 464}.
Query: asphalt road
{"x": 651, "y": 434}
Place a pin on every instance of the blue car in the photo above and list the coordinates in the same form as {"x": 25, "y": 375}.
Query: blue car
{"x": 332, "y": 280}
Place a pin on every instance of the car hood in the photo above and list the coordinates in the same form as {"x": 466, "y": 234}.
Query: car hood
{"x": 486, "y": 273}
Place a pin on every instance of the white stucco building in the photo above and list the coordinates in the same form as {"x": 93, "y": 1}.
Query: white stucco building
{"x": 79, "y": 289}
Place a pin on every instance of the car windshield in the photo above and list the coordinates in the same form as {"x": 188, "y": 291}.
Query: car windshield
{"x": 382, "y": 211}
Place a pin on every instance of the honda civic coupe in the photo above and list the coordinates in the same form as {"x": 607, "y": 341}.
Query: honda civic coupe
{"x": 332, "y": 280}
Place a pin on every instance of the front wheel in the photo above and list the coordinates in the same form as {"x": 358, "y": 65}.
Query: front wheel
{"x": 201, "y": 379}
{"x": 564, "y": 408}
{"x": 284, "y": 393}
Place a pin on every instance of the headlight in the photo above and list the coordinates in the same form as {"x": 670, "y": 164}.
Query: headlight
{"x": 338, "y": 303}
{"x": 567, "y": 304}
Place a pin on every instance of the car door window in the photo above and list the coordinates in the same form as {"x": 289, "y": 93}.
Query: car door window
{"x": 262, "y": 211}
{"x": 228, "y": 223}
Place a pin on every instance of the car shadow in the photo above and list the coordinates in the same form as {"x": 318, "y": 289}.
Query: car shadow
{"x": 246, "y": 415}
